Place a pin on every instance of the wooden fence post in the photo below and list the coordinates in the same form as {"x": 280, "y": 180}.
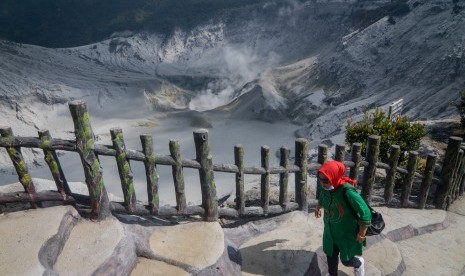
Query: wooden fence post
{"x": 239, "y": 161}
{"x": 426, "y": 183}
{"x": 454, "y": 175}
{"x": 408, "y": 181}
{"x": 151, "y": 174}
{"x": 394, "y": 153}
{"x": 178, "y": 176}
{"x": 207, "y": 181}
{"x": 370, "y": 171}
{"x": 461, "y": 183}
{"x": 20, "y": 165}
{"x": 51, "y": 158}
{"x": 301, "y": 188}
{"x": 340, "y": 152}
{"x": 124, "y": 169}
{"x": 322, "y": 157}
{"x": 356, "y": 154}
{"x": 265, "y": 178}
{"x": 284, "y": 177}
{"x": 93, "y": 172}
{"x": 458, "y": 174}
{"x": 450, "y": 159}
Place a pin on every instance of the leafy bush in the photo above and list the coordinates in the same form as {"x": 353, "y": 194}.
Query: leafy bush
{"x": 398, "y": 132}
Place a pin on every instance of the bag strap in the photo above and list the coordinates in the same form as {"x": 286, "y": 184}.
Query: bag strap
{"x": 348, "y": 203}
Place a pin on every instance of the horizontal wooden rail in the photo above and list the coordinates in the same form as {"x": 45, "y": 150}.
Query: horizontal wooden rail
{"x": 450, "y": 184}
{"x": 169, "y": 211}
{"x": 108, "y": 150}
{"x": 35, "y": 142}
{"x": 38, "y": 197}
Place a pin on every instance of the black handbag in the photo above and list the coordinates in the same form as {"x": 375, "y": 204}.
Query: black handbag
{"x": 377, "y": 221}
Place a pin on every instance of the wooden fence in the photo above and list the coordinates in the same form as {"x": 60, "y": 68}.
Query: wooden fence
{"x": 449, "y": 185}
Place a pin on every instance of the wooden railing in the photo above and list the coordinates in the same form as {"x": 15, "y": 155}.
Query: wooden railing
{"x": 449, "y": 185}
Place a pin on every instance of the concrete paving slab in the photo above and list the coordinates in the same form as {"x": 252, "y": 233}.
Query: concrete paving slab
{"x": 437, "y": 253}
{"x": 88, "y": 245}
{"x": 23, "y": 233}
{"x": 196, "y": 244}
{"x": 287, "y": 250}
{"x": 381, "y": 258}
{"x": 396, "y": 218}
{"x": 148, "y": 267}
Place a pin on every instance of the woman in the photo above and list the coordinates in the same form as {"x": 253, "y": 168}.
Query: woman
{"x": 344, "y": 232}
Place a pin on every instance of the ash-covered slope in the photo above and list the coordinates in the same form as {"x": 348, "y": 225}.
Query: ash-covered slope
{"x": 201, "y": 69}
{"x": 419, "y": 57}
{"x": 314, "y": 62}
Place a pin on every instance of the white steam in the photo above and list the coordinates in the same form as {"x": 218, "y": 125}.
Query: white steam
{"x": 241, "y": 66}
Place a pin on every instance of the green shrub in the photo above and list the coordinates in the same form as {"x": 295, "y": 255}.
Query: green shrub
{"x": 398, "y": 132}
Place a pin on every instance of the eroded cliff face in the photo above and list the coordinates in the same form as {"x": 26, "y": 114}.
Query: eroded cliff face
{"x": 395, "y": 57}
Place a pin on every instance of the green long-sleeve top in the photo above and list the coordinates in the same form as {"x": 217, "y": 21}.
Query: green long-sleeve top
{"x": 340, "y": 223}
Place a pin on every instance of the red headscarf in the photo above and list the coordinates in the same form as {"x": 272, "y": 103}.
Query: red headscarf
{"x": 335, "y": 171}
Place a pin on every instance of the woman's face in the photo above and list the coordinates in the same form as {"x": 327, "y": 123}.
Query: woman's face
{"x": 324, "y": 181}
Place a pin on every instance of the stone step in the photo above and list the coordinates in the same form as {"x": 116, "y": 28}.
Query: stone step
{"x": 289, "y": 244}
{"x": 383, "y": 257}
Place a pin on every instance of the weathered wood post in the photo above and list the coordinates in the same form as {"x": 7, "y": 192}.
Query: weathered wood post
{"x": 462, "y": 186}
{"x": 301, "y": 188}
{"x": 207, "y": 181}
{"x": 426, "y": 182}
{"x": 51, "y": 158}
{"x": 20, "y": 165}
{"x": 322, "y": 157}
{"x": 455, "y": 175}
{"x": 124, "y": 169}
{"x": 450, "y": 159}
{"x": 239, "y": 161}
{"x": 355, "y": 156}
{"x": 394, "y": 153}
{"x": 458, "y": 174}
{"x": 461, "y": 183}
{"x": 265, "y": 178}
{"x": 150, "y": 174}
{"x": 370, "y": 171}
{"x": 178, "y": 176}
{"x": 340, "y": 152}
{"x": 93, "y": 172}
{"x": 284, "y": 178}
{"x": 408, "y": 180}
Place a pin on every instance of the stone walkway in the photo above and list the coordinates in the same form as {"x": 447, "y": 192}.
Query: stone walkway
{"x": 57, "y": 240}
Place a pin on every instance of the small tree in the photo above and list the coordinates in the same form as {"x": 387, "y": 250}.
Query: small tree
{"x": 398, "y": 132}
{"x": 460, "y": 105}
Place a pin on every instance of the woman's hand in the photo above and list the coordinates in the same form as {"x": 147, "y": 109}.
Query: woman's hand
{"x": 318, "y": 211}
{"x": 360, "y": 238}
{"x": 361, "y": 233}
